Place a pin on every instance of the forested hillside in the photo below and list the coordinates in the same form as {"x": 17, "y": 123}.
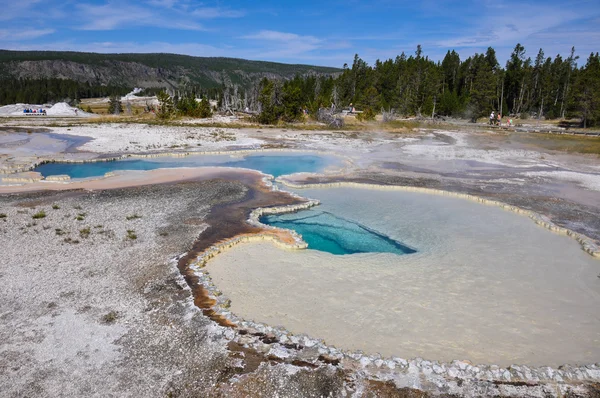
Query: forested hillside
{"x": 553, "y": 87}
{"x": 24, "y": 73}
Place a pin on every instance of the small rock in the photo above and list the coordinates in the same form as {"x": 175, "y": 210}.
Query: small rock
{"x": 453, "y": 372}
{"x": 462, "y": 365}
{"x": 365, "y": 361}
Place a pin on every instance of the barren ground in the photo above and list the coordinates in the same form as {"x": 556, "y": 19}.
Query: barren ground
{"x": 111, "y": 316}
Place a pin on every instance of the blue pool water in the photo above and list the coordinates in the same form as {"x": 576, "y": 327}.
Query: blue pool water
{"x": 326, "y": 232}
{"x": 274, "y": 164}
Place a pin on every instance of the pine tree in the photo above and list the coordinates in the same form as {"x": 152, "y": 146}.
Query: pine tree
{"x": 588, "y": 88}
{"x": 204, "y": 110}
{"x": 114, "y": 105}
{"x": 166, "y": 108}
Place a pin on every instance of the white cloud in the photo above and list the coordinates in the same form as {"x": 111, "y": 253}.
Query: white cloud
{"x": 272, "y": 35}
{"x": 163, "y": 3}
{"x": 13, "y": 10}
{"x": 282, "y": 45}
{"x": 23, "y": 34}
{"x": 216, "y": 12}
{"x": 195, "y": 49}
{"x": 113, "y": 16}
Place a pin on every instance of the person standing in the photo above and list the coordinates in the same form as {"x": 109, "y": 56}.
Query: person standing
{"x": 492, "y": 118}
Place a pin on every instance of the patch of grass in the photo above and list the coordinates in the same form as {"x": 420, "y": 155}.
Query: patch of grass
{"x": 39, "y": 214}
{"x": 163, "y": 233}
{"x": 60, "y": 232}
{"x": 2, "y": 215}
{"x": 131, "y": 234}
{"x": 55, "y": 207}
{"x": 98, "y": 226}
{"x": 133, "y": 217}
{"x": 111, "y": 317}
{"x": 560, "y": 142}
{"x": 80, "y": 216}
{"x": 85, "y": 232}
{"x": 77, "y": 207}
{"x": 72, "y": 241}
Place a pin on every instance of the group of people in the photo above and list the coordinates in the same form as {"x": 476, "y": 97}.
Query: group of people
{"x": 35, "y": 111}
{"x": 496, "y": 120}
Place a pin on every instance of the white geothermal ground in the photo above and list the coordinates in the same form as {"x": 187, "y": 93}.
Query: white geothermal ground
{"x": 486, "y": 284}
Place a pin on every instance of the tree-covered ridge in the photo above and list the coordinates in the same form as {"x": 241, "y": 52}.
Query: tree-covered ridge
{"x": 158, "y": 60}
{"x": 473, "y": 87}
{"x": 145, "y": 70}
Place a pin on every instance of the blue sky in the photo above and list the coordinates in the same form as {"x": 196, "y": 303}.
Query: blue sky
{"x": 312, "y": 32}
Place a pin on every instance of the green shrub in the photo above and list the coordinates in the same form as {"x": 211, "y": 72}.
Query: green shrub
{"x": 39, "y": 214}
{"x": 2, "y": 215}
{"x": 110, "y": 317}
{"x": 131, "y": 234}
{"x": 133, "y": 217}
{"x": 55, "y": 207}
{"x": 367, "y": 115}
{"x": 85, "y": 232}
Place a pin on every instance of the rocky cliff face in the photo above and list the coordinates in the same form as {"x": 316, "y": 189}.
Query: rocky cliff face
{"x": 139, "y": 70}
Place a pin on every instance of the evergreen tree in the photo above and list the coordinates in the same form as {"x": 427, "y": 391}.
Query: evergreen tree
{"x": 204, "y": 108}
{"x": 115, "y": 107}
{"x": 483, "y": 92}
{"x": 166, "y": 108}
{"x": 588, "y": 92}
{"x": 268, "y": 114}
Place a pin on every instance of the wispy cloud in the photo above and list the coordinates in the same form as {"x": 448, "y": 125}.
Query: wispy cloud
{"x": 272, "y": 35}
{"x": 12, "y": 10}
{"x": 125, "y": 47}
{"x": 216, "y": 12}
{"x": 283, "y": 44}
{"x": 112, "y": 16}
{"x": 331, "y": 35}
{"x": 23, "y": 34}
{"x": 163, "y": 3}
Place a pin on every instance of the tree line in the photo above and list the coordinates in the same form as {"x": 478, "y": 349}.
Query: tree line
{"x": 43, "y": 91}
{"x": 416, "y": 85}
{"x": 548, "y": 87}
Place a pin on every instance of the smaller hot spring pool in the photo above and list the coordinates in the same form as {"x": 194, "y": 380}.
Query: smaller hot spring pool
{"x": 274, "y": 164}
{"x": 326, "y": 232}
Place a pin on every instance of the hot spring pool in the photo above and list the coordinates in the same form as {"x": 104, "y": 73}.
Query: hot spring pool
{"x": 336, "y": 235}
{"x": 485, "y": 284}
{"x": 274, "y": 164}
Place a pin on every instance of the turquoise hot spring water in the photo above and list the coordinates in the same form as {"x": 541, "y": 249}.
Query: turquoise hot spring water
{"x": 327, "y": 232}
{"x": 323, "y": 231}
{"x": 274, "y": 164}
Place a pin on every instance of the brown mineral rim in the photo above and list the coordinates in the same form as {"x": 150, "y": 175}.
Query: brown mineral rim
{"x": 228, "y": 221}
